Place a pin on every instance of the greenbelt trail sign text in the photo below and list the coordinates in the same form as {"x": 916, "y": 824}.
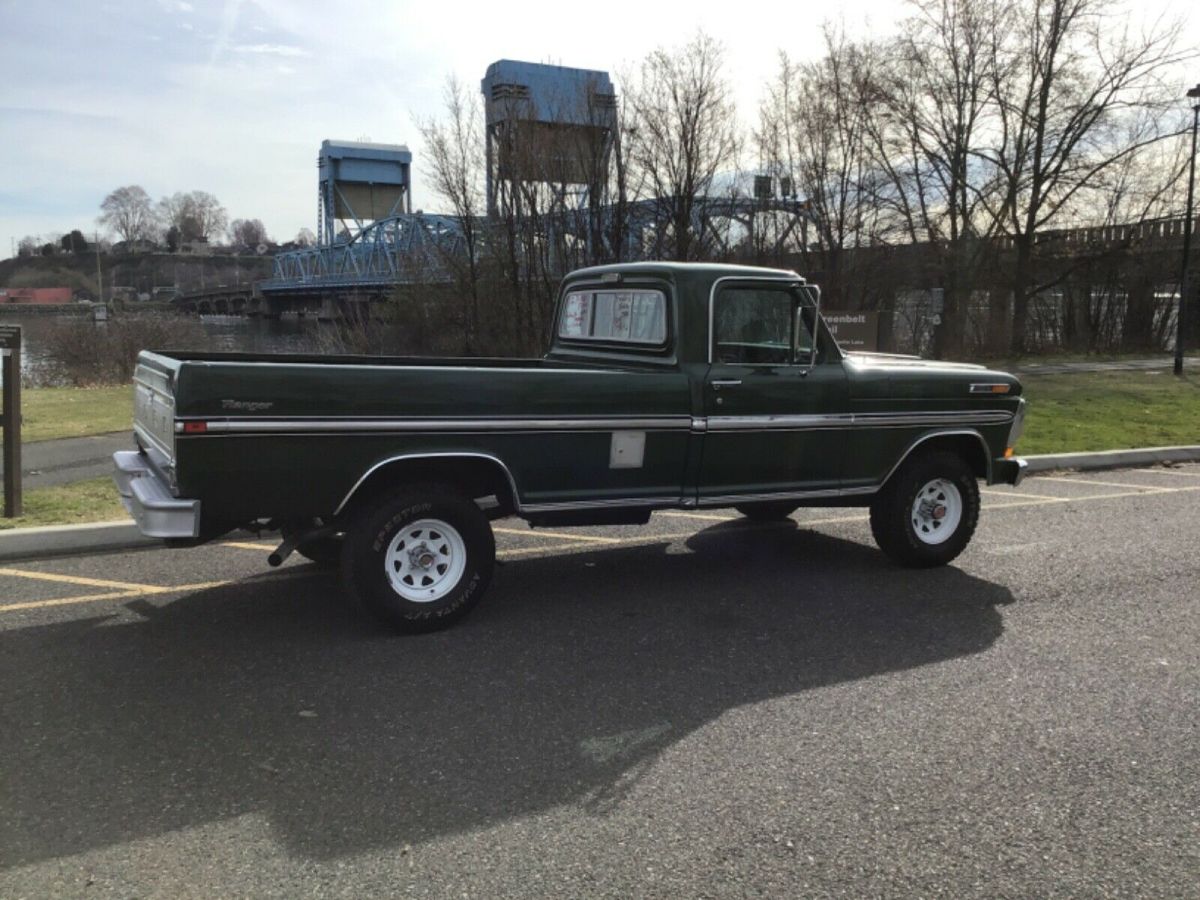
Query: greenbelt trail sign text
{"x": 854, "y": 330}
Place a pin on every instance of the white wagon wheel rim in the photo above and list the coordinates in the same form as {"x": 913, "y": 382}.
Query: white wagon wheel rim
{"x": 936, "y": 511}
{"x": 425, "y": 560}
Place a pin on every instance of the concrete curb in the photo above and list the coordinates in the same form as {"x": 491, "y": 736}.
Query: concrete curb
{"x": 100, "y": 537}
{"x": 1113, "y": 459}
{"x": 64, "y": 540}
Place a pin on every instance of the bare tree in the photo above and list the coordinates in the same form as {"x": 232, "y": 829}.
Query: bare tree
{"x": 248, "y": 232}
{"x": 813, "y": 137}
{"x": 305, "y": 237}
{"x": 197, "y": 215}
{"x": 935, "y": 111}
{"x": 684, "y": 132}
{"x": 1067, "y": 83}
{"x": 127, "y": 212}
{"x": 458, "y": 167}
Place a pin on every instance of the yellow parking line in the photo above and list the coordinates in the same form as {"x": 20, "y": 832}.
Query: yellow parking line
{"x": 246, "y": 545}
{"x": 586, "y": 538}
{"x": 995, "y": 493}
{"x": 129, "y": 590}
{"x": 1144, "y": 487}
{"x": 66, "y": 601}
{"x": 145, "y": 590}
{"x": 862, "y": 517}
{"x": 704, "y": 516}
{"x": 1017, "y": 504}
{"x": 72, "y": 579}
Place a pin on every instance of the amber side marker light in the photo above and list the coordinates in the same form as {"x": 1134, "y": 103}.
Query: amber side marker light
{"x": 195, "y": 427}
{"x": 1008, "y": 452}
{"x": 990, "y": 388}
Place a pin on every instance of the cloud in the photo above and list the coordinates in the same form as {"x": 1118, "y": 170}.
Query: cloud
{"x": 271, "y": 49}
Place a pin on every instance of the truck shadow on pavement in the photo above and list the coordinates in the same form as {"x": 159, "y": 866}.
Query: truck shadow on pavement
{"x": 276, "y": 697}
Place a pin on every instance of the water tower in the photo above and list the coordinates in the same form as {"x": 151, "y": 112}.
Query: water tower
{"x": 359, "y": 183}
{"x": 548, "y": 124}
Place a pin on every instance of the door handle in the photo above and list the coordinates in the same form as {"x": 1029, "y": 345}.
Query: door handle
{"x": 729, "y": 382}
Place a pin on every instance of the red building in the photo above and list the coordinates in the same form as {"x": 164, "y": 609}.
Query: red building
{"x": 35, "y": 295}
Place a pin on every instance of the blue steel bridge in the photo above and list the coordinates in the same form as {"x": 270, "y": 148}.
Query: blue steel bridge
{"x": 421, "y": 248}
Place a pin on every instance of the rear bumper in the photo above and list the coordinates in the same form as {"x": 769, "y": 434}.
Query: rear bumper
{"x": 1009, "y": 471}
{"x": 148, "y": 498}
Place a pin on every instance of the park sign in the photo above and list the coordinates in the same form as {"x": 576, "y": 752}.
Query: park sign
{"x": 10, "y": 337}
{"x": 10, "y": 417}
{"x": 854, "y": 330}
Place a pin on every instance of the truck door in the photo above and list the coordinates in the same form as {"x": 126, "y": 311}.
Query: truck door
{"x": 775, "y": 397}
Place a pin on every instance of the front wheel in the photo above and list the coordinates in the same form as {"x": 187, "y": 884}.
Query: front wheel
{"x": 926, "y": 514}
{"x": 421, "y": 558}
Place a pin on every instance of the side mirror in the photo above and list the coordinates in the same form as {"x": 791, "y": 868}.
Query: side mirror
{"x": 804, "y": 328}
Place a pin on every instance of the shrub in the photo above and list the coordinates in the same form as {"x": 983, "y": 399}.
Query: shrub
{"x": 81, "y": 352}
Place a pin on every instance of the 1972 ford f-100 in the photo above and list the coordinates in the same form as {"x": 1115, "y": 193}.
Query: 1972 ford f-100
{"x": 666, "y": 385}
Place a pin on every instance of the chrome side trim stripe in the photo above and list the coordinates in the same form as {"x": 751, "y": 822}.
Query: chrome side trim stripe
{"x": 859, "y": 420}
{"x": 734, "y": 499}
{"x": 695, "y": 424}
{"x": 623, "y": 503}
{"x": 410, "y": 457}
{"x": 239, "y": 426}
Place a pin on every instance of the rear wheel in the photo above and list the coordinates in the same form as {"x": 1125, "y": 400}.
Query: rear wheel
{"x": 421, "y": 558}
{"x": 768, "y": 512}
{"x": 927, "y": 512}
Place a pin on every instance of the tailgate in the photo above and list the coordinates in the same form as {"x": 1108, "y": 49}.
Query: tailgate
{"x": 154, "y": 405}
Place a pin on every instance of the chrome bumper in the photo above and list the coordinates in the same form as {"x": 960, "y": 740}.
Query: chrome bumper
{"x": 149, "y": 500}
{"x": 1009, "y": 471}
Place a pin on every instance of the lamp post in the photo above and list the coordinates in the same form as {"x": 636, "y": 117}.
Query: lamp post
{"x": 1193, "y": 94}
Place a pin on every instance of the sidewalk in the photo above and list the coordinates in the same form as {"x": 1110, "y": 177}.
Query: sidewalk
{"x": 47, "y": 463}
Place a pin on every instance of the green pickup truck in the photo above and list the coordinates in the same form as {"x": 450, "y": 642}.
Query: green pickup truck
{"x": 667, "y": 386}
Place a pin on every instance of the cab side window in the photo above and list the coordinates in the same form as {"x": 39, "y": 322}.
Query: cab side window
{"x": 753, "y": 326}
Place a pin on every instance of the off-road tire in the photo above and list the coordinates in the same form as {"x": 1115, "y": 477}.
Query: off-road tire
{"x": 377, "y": 532}
{"x": 892, "y": 510}
{"x": 773, "y": 511}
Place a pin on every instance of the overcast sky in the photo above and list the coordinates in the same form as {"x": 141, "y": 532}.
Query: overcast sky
{"x": 235, "y": 98}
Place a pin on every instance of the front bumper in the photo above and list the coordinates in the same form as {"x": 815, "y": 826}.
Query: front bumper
{"x": 1009, "y": 471}
{"x": 148, "y": 498}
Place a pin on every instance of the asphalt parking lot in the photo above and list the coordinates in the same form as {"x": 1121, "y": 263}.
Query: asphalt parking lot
{"x": 700, "y": 707}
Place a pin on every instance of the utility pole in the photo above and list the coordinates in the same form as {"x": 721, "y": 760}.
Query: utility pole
{"x": 1181, "y": 318}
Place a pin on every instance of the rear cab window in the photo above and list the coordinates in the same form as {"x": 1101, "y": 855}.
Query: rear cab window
{"x": 635, "y": 316}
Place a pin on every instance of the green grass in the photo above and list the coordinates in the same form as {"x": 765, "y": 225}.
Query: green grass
{"x": 49, "y": 413}
{"x": 1110, "y": 411}
{"x": 94, "y": 500}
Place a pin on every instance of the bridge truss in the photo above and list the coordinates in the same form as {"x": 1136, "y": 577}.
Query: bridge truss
{"x": 423, "y": 248}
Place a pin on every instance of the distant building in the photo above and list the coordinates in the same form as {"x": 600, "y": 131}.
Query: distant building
{"x": 141, "y": 245}
{"x": 36, "y": 295}
{"x": 197, "y": 247}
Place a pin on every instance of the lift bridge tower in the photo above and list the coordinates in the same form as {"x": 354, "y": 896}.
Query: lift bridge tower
{"x": 360, "y": 183}
{"x": 548, "y": 124}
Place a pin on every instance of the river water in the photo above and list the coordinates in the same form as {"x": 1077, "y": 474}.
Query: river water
{"x": 286, "y": 335}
